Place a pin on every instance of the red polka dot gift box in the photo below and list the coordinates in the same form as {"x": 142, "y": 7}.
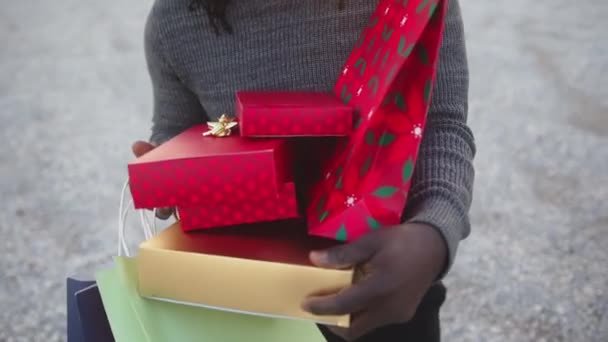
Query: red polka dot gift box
{"x": 227, "y": 213}
{"x": 388, "y": 80}
{"x": 292, "y": 114}
{"x": 193, "y": 170}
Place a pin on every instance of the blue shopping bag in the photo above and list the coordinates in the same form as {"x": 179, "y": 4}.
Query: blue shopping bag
{"x": 74, "y": 325}
{"x": 87, "y": 320}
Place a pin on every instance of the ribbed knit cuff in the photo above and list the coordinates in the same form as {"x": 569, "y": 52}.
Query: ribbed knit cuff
{"x": 442, "y": 215}
{"x": 159, "y": 138}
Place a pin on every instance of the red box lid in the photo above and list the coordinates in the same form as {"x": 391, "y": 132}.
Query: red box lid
{"x": 293, "y": 99}
{"x": 190, "y": 168}
{"x": 292, "y": 114}
{"x": 191, "y": 144}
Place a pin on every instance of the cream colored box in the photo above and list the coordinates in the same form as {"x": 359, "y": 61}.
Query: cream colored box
{"x": 260, "y": 269}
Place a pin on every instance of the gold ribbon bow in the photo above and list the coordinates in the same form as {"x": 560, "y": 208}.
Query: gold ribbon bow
{"x": 221, "y": 128}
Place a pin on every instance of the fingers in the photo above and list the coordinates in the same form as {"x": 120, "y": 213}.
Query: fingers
{"x": 364, "y": 323}
{"x": 348, "y": 255}
{"x": 349, "y": 300}
{"x": 164, "y": 213}
{"x": 140, "y": 148}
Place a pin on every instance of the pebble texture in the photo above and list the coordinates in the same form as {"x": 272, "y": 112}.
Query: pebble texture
{"x": 74, "y": 93}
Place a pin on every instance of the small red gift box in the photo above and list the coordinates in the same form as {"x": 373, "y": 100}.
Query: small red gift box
{"x": 191, "y": 170}
{"x": 292, "y": 114}
{"x": 222, "y": 214}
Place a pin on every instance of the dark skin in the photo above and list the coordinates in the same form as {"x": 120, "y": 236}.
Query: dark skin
{"x": 399, "y": 266}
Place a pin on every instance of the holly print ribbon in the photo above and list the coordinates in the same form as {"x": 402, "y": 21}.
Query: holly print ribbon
{"x": 388, "y": 79}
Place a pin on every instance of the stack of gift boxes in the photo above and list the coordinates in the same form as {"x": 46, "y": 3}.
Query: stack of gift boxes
{"x": 246, "y": 222}
{"x": 239, "y": 177}
{"x": 227, "y": 178}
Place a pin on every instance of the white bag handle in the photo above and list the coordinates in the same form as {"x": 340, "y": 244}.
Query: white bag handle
{"x": 148, "y": 228}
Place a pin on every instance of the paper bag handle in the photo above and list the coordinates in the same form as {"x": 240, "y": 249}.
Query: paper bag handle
{"x": 149, "y": 228}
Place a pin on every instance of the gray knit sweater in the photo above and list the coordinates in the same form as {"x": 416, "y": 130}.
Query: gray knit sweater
{"x": 302, "y": 45}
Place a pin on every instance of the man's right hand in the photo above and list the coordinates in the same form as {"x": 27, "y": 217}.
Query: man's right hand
{"x": 140, "y": 148}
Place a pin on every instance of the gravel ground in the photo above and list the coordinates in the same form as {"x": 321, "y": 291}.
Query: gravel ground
{"x": 74, "y": 93}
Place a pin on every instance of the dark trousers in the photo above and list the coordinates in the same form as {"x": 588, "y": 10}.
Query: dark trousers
{"x": 424, "y": 327}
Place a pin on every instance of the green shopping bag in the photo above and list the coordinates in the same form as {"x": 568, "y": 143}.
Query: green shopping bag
{"x": 136, "y": 319}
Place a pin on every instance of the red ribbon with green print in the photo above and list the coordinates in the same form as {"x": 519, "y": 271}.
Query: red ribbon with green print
{"x": 388, "y": 79}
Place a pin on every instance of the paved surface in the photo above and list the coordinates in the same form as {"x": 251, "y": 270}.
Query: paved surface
{"x": 74, "y": 93}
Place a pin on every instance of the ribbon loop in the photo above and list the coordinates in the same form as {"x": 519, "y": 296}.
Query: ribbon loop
{"x": 221, "y": 128}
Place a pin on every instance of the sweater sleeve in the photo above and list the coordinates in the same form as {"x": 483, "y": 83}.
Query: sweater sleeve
{"x": 442, "y": 186}
{"x": 176, "y": 108}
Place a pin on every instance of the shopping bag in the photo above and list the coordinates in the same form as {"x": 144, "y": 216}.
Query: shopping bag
{"x": 74, "y": 325}
{"x": 136, "y": 319}
{"x": 388, "y": 79}
{"x": 86, "y": 317}
{"x": 117, "y": 301}
{"x": 93, "y": 319}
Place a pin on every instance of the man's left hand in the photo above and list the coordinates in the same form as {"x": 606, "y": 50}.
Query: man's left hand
{"x": 399, "y": 265}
